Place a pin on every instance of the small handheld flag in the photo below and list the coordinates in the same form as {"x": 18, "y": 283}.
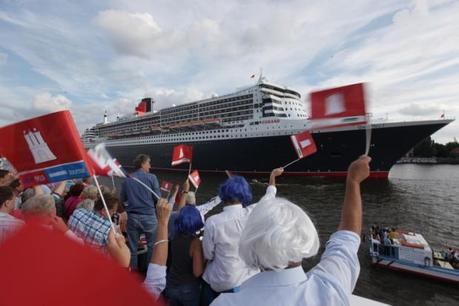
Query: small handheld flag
{"x": 102, "y": 163}
{"x": 45, "y": 149}
{"x": 304, "y": 144}
{"x": 195, "y": 179}
{"x": 339, "y": 102}
{"x": 182, "y": 154}
{"x": 166, "y": 186}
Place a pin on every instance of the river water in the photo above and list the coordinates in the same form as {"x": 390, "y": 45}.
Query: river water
{"x": 423, "y": 199}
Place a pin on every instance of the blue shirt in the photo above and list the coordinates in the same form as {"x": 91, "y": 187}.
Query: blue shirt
{"x": 330, "y": 282}
{"x": 135, "y": 197}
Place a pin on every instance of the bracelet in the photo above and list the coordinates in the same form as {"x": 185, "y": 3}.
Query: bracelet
{"x": 184, "y": 191}
{"x": 160, "y": 241}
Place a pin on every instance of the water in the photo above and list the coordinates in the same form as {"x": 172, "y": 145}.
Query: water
{"x": 419, "y": 198}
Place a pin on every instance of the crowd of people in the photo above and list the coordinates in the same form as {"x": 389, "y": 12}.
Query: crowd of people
{"x": 248, "y": 254}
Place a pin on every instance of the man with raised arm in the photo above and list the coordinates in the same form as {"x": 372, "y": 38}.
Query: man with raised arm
{"x": 278, "y": 235}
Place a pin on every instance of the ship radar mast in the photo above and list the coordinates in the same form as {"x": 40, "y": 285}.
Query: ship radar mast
{"x": 105, "y": 117}
{"x": 261, "y": 78}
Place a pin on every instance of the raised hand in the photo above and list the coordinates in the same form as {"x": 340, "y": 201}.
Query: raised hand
{"x": 359, "y": 170}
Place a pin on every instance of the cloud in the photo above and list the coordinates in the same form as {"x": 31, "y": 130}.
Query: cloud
{"x": 49, "y": 103}
{"x": 131, "y": 33}
{"x": 3, "y": 58}
{"x": 416, "y": 110}
{"x": 110, "y": 54}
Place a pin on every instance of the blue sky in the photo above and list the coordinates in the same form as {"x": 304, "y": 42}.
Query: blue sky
{"x": 94, "y": 55}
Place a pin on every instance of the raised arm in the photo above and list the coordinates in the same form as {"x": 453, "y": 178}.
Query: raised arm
{"x": 60, "y": 189}
{"x": 185, "y": 190}
{"x": 275, "y": 173}
{"x": 271, "y": 190}
{"x": 174, "y": 195}
{"x": 351, "y": 215}
{"x": 155, "y": 282}
{"x": 163, "y": 212}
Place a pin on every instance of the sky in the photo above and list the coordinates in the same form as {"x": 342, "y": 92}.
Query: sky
{"x": 92, "y": 56}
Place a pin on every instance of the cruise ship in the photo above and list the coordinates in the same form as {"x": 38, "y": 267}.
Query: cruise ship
{"x": 248, "y": 132}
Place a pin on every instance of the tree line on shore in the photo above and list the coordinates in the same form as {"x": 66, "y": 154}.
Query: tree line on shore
{"x": 429, "y": 148}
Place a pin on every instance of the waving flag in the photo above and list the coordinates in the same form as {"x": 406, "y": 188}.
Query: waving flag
{"x": 339, "y": 106}
{"x": 166, "y": 186}
{"x": 304, "y": 144}
{"x": 195, "y": 179}
{"x": 182, "y": 154}
{"x": 102, "y": 162}
{"x": 45, "y": 149}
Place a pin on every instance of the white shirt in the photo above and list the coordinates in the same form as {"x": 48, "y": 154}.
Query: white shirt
{"x": 225, "y": 269}
{"x": 155, "y": 282}
{"x": 330, "y": 282}
{"x": 8, "y": 225}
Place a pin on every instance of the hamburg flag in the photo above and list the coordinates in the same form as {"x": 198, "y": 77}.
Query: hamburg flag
{"x": 102, "y": 163}
{"x": 346, "y": 103}
{"x": 195, "y": 179}
{"x": 45, "y": 149}
{"x": 304, "y": 144}
{"x": 182, "y": 154}
{"x": 166, "y": 186}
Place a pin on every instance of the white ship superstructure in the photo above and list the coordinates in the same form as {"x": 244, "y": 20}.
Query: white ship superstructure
{"x": 261, "y": 110}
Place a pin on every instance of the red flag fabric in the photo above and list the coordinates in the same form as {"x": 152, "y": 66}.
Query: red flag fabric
{"x": 59, "y": 271}
{"x": 103, "y": 163}
{"x": 181, "y": 154}
{"x": 195, "y": 179}
{"x": 45, "y": 149}
{"x": 166, "y": 186}
{"x": 346, "y": 101}
{"x": 304, "y": 144}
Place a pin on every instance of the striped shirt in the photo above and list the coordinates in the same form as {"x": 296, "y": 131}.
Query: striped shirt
{"x": 8, "y": 225}
{"x": 90, "y": 226}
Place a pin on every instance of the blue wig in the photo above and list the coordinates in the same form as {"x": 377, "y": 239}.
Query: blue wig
{"x": 236, "y": 189}
{"x": 188, "y": 221}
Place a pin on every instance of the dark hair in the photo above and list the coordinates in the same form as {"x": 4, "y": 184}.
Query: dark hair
{"x": 75, "y": 190}
{"x": 3, "y": 173}
{"x": 188, "y": 221}
{"x": 110, "y": 200}
{"x": 6, "y": 193}
{"x": 15, "y": 184}
{"x": 236, "y": 189}
{"x": 140, "y": 159}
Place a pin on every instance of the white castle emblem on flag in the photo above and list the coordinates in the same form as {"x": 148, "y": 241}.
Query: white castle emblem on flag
{"x": 181, "y": 153}
{"x": 334, "y": 104}
{"x": 39, "y": 148}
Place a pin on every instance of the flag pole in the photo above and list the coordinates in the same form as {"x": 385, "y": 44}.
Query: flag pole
{"x": 367, "y": 135}
{"x": 189, "y": 169}
{"x": 291, "y": 163}
{"x": 105, "y": 204}
{"x": 113, "y": 182}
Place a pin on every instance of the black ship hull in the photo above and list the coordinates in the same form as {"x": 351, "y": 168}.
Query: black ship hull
{"x": 335, "y": 151}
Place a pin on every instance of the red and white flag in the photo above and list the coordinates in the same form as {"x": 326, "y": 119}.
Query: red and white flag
{"x": 304, "y": 144}
{"x": 166, "y": 186}
{"x": 182, "y": 154}
{"x": 103, "y": 163}
{"x": 45, "y": 149}
{"x": 338, "y": 106}
{"x": 195, "y": 179}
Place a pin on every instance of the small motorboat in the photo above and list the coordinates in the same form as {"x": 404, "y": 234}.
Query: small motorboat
{"x": 410, "y": 252}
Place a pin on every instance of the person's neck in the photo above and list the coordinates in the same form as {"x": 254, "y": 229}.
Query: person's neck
{"x": 5, "y": 210}
{"x": 232, "y": 204}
